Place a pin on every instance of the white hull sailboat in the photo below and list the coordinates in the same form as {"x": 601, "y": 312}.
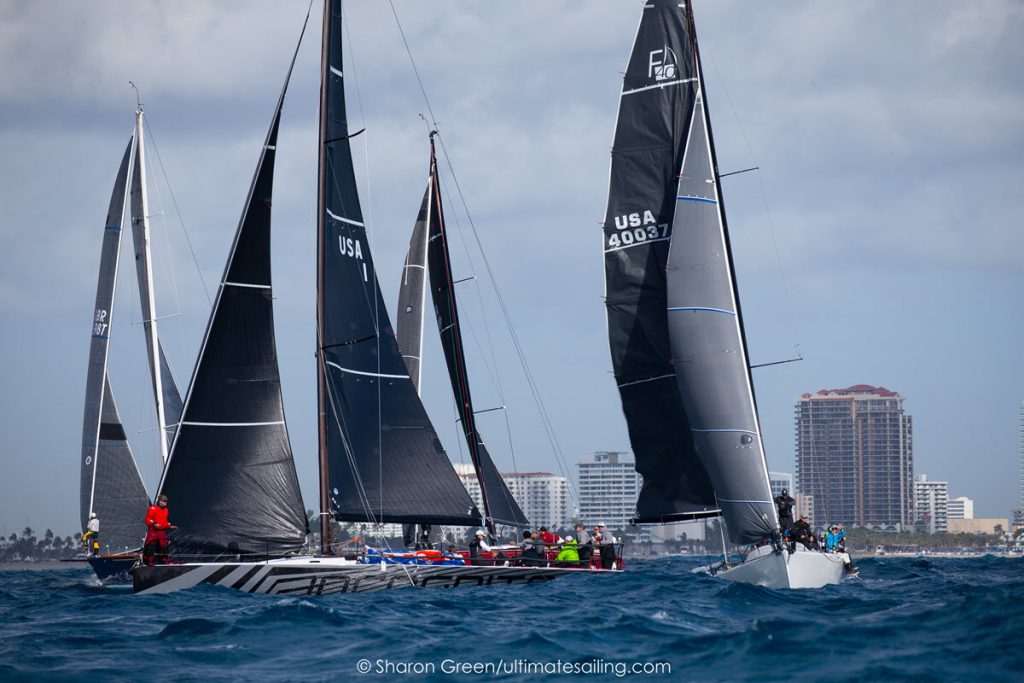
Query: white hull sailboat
{"x": 675, "y": 325}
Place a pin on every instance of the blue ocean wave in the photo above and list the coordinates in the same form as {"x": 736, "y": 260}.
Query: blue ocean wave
{"x": 904, "y": 619}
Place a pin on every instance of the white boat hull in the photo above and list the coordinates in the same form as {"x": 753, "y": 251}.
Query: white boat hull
{"x": 325, "y": 576}
{"x": 801, "y": 569}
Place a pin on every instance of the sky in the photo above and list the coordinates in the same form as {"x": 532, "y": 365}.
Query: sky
{"x": 881, "y": 238}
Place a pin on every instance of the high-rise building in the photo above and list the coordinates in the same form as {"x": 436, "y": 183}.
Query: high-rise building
{"x": 960, "y": 507}
{"x": 854, "y": 455}
{"x": 931, "y": 501}
{"x": 779, "y": 481}
{"x": 608, "y": 489}
{"x": 542, "y": 496}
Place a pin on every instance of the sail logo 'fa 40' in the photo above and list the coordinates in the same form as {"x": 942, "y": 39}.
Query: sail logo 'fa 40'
{"x": 663, "y": 64}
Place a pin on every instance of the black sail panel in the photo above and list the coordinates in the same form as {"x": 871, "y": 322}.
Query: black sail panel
{"x": 230, "y": 476}
{"x": 411, "y": 296}
{"x": 655, "y": 110}
{"x": 172, "y": 397}
{"x": 501, "y": 506}
{"x": 111, "y": 486}
{"x": 383, "y": 459}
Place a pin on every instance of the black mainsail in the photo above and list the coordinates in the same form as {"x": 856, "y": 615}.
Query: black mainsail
{"x": 655, "y": 110}
{"x": 230, "y": 474}
{"x": 111, "y": 486}
{"x": 686, "y": 279}
{"x": 412, "y": 297}
{"x": 380, "y": 458}
{"x": 165, "y": 391}
{"x": 500, "y": 507}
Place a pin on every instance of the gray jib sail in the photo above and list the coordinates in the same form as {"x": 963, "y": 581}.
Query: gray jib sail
{"x": 168, "y": 398}
{"x": 381, "y": 460}
{"x": 655, "y": 109}
{"x": 412, "y": 297}
{"x": 500, "y": 507}
{"x": 230, "y": 475}
{"x": 707, "y": 345}
{"x": 111, "y": 486}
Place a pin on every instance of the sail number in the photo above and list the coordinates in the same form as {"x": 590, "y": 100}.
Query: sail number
{"x": 99, "y": 323}
{"x": 636, "y": 228}
{"x": 350, "y": 247}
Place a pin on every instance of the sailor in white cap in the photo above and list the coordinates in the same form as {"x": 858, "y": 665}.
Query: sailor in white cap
{"x": 477, "y": 547}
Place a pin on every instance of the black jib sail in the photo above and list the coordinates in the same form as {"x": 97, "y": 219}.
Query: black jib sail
{"x": 111, "y": 486}
{"x": 230, "y": 475}
{"x": 412, "y": 297}
{"x": 499, "y": 505}
{"x": 380, "y": 458}
{"x": 707, "y": 340}
{"x": 655, "y": 110}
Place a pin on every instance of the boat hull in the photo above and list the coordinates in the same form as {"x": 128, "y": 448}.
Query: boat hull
{"x": 326, "y": 576}
{"x": 800, "y": 569}
{"x": 113, "y": 570}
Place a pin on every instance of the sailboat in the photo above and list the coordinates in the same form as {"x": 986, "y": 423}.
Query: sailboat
{"x": 112, "y": 492}
{"x": 231, "y": 473}
{"x": 675, "y": 327}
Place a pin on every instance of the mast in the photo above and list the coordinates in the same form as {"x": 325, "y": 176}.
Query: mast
{"x": 321, "y": 368}
{"x": 143, "y": 265}
{"x": 499, "y": 504}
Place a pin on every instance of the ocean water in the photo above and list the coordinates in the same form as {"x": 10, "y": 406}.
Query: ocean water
{"x": 902, "y": 620}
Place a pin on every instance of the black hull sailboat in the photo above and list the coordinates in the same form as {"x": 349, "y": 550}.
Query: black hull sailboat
{"x": 380, "y": 458}
{"x": 674, "y": 321}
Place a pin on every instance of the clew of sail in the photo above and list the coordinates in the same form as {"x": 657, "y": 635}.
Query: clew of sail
{"x": 655, "y": 110}
{"x": 500, "y": 507}
{"x": 380, "y": 458}
{"x": 230, "y": 474}
{"x": 111, "y": 486}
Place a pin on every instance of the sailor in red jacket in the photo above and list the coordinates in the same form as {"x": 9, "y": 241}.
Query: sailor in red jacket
{"x": 156, "y": 536}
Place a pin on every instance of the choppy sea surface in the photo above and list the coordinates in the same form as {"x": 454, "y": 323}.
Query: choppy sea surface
{"x": 904, "y": 619}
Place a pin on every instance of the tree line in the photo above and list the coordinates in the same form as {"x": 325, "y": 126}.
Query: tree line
{"x": 28, "y": 547}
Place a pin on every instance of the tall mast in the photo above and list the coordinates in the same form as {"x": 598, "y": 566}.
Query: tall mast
{"x": 321, "y": 369}
{"x": 143, "y": 257}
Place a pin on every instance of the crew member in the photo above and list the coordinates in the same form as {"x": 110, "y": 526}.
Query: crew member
{"x": 606, "y": 542}
{"x": 91, "y": 537}
{"x": 477, "y": 547}
{"x": 569, "y": 553}
{"x": 156, "y": 536}
{"x": 784, "y": 502}
{"x": 584, "y": 544}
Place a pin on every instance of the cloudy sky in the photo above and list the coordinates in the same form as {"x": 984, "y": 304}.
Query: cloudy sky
{"x": 882, "y": 234}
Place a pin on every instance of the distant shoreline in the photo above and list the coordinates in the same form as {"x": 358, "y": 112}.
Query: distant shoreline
{"x": 41, "y": 564}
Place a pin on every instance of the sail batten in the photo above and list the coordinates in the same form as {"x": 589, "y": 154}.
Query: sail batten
{"x": 381, "y": 460}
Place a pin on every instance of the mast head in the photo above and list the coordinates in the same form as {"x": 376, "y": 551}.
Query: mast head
{"x": 138, "y": 96}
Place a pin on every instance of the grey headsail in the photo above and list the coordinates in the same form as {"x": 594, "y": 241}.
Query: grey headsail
{"x": 165, "y": 391}
{"x": 380, "y": 458}
{"x": 499, "y": 505}
{"x": 412, "y": 297}
{"x": 655, "y": 110}
{"x": 707, "y": 340}
{"x": 230, "y": 475}
{"x": 111, "y": 486}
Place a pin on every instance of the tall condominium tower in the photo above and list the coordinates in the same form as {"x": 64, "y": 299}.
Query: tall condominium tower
{"x": 854, "y": 455}
{"x": 931, "y": 504}
{"x": 608, "y": 489}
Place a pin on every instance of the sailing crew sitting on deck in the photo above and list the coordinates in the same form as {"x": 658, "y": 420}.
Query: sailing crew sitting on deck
{"x": 156, "y": 536}
{"x": 530, "y": 554}
{"x": 477, "y": 547}
{"x": 802, "y": 533}
{"x": 91, "y": 537}
{"x": 585, "y": 544}
{"x": 835, "y": 540}
{"x": 569, "y": 552}
{"x": 784, "y": 502}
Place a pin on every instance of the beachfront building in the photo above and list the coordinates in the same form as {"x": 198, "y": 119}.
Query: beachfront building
{"x": 931, "y": 501}
{"x": 960, "y": 507}
{"x": 854, "y": 455}
{"x": 543, "y": 496}
{"x": 608, "y": 489}
{"x": 779, "y": 481}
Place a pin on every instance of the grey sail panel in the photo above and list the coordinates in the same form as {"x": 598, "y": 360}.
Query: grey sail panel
{"x": 382, "y": 456}
{"x": 655, "y": 109}
{"x": 230, "y": 475}
{"x": 500, "y": 506}
{"x": 412, "y": 296}
{"x": 119, "y": 496}
{"x": 110, "y": 484}
{"x": 707, "y": 347}
{"x": 172, "y": 397}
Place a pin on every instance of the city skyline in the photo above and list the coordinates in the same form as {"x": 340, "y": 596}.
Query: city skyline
{"x": 879, "y": 263}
